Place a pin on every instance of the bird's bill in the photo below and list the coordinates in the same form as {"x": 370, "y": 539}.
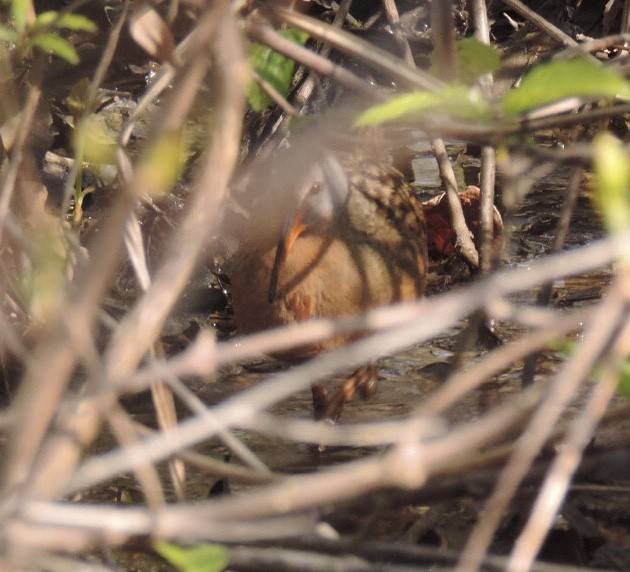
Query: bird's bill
{"x": 291, "y": 231}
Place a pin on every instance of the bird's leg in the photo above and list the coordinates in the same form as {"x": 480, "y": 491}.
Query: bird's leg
{"x": 320, "y": 400}
{"x": 363, "y": 381}
{"x": 367, "y": 380}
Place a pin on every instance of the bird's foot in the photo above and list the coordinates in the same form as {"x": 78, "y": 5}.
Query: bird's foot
{"x": 363, "y": 381}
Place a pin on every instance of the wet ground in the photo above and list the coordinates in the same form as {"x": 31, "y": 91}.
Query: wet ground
{"x": 404, "y": 380}
{"x": 410, "y": 375}
{"x": 442, "y": 515}
{"x": 594, "y": 528}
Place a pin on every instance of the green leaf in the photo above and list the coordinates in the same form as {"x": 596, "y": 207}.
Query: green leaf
{"x": 56, "y": 45}
{"x": 94, "y": 140}
{"x": 612, "y": 175}
{"x": 75, "y": 22}
{"x": 474, "y": 59}
{"x": 456, "y": 101}
{"x": 8, "y": 34}
{"x": 202, "y": 558}
{"x": 78, "y": 96}
{"x": 161, "y": 163}
{"x": 45, "y": 19}
{"x": 563, "y": 346}
{"x": 274, "y": 68}
{"x": 19, "y": 13}
{"x": 624, "y": 379}
{"x": 562, "y": 79}
{"x": 44, "y": 283}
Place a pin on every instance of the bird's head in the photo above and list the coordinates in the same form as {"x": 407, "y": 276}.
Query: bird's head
{"x": 321, "y": 196}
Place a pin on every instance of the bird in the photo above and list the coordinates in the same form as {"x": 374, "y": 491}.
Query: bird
{"x": 347, "y": 235}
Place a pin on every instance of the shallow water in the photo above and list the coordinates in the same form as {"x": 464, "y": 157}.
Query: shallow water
{"x": 406, "y": 378}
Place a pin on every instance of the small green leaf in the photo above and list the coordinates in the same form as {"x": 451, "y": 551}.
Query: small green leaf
{"x": 202, "y": 558}
{"x": 624, "y": 379}
{"x": 474, "y": 59}
{"x": 257, "y": 98}
{"x": 75, "y": 22}
{"x": 612, "y": 173}
{"x": 8, "y": 34}
{"x": 43, "y": 284}
{"x": 274, "y": 68}
{"x": 563, "y": 346}
{"x": 94, "y": 140}
{"x": 562, "y": 79}
{"x": 78, "y": 96}
{"x": 161, "y": 163}
{"x": 19, "y": 13}
{"x": 455, "y": 101}
{"x": 45, "y": 19}
{"x": 57, "y": 46}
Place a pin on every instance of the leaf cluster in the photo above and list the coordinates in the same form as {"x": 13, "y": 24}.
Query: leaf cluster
{"x": 44, "y": 31}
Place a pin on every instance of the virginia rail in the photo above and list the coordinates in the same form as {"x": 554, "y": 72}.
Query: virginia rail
{"x": 353, "y": 237}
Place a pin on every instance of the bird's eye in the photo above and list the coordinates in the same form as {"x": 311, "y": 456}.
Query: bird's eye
{"x": 316, "y": 188}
